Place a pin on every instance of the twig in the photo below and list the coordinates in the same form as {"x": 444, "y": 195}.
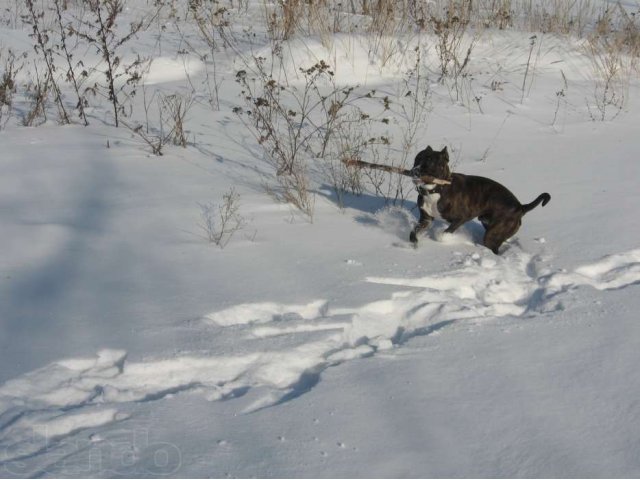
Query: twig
{"x": 399, "y": 170}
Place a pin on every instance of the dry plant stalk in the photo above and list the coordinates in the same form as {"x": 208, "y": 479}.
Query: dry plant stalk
{"x": 177, "y": 107}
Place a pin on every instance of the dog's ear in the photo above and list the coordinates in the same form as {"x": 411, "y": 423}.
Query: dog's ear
{"x": 444, "y": 150}
{"x": 428, "y": 149}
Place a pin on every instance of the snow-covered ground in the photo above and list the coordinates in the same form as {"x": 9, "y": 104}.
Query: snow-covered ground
{"x": 131, "y": 346}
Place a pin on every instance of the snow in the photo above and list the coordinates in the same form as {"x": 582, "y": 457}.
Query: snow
{"x": 131, "y": 346}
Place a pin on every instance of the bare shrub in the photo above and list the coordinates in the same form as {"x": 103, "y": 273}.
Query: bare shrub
{"x": 322, "y": 20}
{"x": 175, "y": 108}
{"x": 151, "y": 134}
{"x": 544, "y": 16}
{"x": 621, "y": 29}
{"x": 212, "y": 20}
{"x": 295, "y": 125}
{"x": 101, "y": 32}
{"x": 609, "y": 81}
{"x": 552, "y": 16}
{"x": 385, "y": 26}
{"x": 283, "y": 18}
{"x": 613, "y": 49}
{"x": 279, "y": 118}
{"x": 498, "y": 14}
{"x": 414, "y": 105}
{"x": 37, "y": 91}
{"x": 454, "y": 42}
{"x": 381, "y": 17}
{"x": 220, "y": 222}
{"x": 155, "y": 141}
{"x": 395, "y": 189}
{"x": 410, "y": 111}
{"x": 294, "y": 189}
{"x": 353, "y": 140}
{"x": 343, "y": 179}
{"x": 172, "y": 111}
{"x": 64, "y": 49}
{"x": 44, "y": 47}
{"x": 629, "y": 32}
{"x": 213, "y": 24}
{"x": 7, "y": 86}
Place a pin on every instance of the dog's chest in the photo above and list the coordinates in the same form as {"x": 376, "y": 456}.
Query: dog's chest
{"x": 430, "y": 205}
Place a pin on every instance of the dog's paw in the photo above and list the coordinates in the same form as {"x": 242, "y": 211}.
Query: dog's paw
{"x": 413, "y": 238}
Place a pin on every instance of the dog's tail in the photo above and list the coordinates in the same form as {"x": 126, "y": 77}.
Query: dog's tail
{"x": 543, "y": 197}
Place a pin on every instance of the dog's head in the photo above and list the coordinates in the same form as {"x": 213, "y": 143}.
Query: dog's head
{"x": 431, "y": 162}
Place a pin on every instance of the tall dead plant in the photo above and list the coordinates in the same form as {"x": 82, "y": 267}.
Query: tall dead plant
{"x": 8, "y": 85}
{"x": 213, "y": 24}
{"x": 454, "y": 42}
{"x": 64, "y": 49}
{"x": 614, "y": 49}
{"x": 102, "y": 33}
{"x": 43, "y": 46}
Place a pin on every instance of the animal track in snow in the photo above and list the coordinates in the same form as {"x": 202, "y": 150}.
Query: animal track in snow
{"x": 72, "y": 395}
{"x": 266, "y": 312}
{"x": 612, "y": 272}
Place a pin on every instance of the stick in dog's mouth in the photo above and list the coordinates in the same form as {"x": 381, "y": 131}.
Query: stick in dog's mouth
{"x": 428, "y": 179}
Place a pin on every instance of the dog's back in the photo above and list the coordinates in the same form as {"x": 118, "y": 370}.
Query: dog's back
{"x": 469, "y": 196}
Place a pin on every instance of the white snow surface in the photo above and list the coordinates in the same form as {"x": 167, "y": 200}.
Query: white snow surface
{"x": 132, "y": 347}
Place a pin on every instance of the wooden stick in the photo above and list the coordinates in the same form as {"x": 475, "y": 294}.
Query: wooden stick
{"x": 386, "y": 168}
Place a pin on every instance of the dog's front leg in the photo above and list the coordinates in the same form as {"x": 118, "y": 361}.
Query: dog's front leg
{"x": 423, "y": 223}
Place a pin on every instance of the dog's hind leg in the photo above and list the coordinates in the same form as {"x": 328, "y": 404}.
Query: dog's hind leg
{"x": 493, "y": 240}
{"x": 485, "y": 220}
{"x": 497, "y": 233}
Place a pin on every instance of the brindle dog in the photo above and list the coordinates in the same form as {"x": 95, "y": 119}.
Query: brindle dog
{"x": 466, "y": 198}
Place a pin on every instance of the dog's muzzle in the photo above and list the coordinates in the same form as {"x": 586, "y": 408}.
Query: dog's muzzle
{"x": 425, "y": 188}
